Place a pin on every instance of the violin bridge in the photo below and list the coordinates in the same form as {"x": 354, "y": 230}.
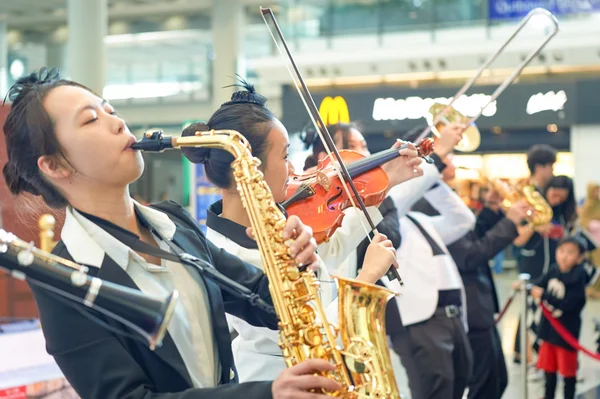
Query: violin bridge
{"x": 323, "y": 180}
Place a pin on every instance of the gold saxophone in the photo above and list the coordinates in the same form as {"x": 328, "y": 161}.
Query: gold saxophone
{"x": 363, "y": 366}
{"x": 540, "y": 215}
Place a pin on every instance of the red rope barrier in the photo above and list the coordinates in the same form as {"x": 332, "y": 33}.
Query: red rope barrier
{"x": 505, "y": 307}
{"x": 565, "y": 334}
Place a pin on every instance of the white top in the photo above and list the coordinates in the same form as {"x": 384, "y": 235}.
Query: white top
{"x": 339, "y": 253}
{"x": 424, "y": 275}
{"x": 191, "y": 325}
{"x": 256, "y": 351}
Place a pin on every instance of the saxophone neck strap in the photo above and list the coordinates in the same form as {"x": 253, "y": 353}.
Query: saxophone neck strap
{"x": 179, "y": 256}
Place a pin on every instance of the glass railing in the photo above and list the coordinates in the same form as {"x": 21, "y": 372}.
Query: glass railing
{"x": 330, "y": 19}
{"x": 140, "y": 68}
{"x": 158, "y": 65}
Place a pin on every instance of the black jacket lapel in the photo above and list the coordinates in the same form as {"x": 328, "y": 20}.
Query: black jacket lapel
{"x": 168, "y": 352}
{"x": 188, "y": 241}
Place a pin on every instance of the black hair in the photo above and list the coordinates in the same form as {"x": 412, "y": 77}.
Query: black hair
{"x": 578, "y": 242}
{"x": 245, "y": 113}
{"x": 568, "y": 209}
{"x": 310, "y": 137}
{"x": 29, "y": 133}
{"x": 540, "y": 154}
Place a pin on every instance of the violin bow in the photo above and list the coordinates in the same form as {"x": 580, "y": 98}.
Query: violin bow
{"x": 321, "y": 128}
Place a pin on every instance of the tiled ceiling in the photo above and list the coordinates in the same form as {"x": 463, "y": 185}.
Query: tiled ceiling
{"x": 165, "y": 54}
{"x": 39, "y": 14}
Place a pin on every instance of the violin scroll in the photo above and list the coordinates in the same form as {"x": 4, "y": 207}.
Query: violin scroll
{"x": 425, "y": 148}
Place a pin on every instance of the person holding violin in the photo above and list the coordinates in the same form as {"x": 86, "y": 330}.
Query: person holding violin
{"x": 422, "y": 268}
{"x": 321, "y": 184}
{"x": 346, "y": 136}
{"x": 256, "y": 351}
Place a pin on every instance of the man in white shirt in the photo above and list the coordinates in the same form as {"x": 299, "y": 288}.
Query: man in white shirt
{"x": 429, "y": 334}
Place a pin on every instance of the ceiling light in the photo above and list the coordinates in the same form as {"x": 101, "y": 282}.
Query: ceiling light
{"x": 17, "y": 69}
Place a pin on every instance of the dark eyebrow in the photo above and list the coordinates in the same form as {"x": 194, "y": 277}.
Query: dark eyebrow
{"x": 91, "y": 106}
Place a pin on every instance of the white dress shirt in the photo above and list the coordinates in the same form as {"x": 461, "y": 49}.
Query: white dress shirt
{"x": 339, "y": 253}
{"x": 423, "y": 274}
{"x": 191, "y": 325}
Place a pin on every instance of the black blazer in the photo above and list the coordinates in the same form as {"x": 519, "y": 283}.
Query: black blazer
{"x": 471, "y": 255}
{"x": 100, "y": 364}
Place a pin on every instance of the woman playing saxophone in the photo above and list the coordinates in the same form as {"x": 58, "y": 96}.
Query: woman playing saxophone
{"x": 256, "y": 350}
{"x": 68, "y": 146}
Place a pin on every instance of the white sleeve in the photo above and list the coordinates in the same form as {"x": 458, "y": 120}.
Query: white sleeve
{"x": 331, "y": 312}
{"x": 327, "y": 293}
{"x": 455, "y": 218}
{"x": 347, "y": 237}
{"x": 406, "y": 194}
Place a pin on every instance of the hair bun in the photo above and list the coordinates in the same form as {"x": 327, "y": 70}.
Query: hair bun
{"x": 16, "y": 183}
{"x": 244, "y": 96}
{"x": 248, "y": 95}
{"x": 196, "y": 155}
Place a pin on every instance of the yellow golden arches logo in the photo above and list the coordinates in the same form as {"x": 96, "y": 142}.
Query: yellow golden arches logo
{"x": 334, "y": 110}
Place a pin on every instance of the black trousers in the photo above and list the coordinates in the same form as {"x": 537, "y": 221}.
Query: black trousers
{"x": 490, "y": 377}
{"x": 436, "y": 355}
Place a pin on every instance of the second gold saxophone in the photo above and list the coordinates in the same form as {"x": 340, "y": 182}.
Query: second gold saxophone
{"x": 363, "y": 366}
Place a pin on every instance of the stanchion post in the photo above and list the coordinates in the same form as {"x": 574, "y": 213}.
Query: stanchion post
{"x": 524, "y": 279}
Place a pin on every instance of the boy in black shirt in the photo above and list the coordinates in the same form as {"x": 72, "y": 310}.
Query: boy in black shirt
{"x": 562, "y": 291}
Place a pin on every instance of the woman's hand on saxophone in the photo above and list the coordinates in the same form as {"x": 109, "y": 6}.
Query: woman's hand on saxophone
{"x": 378, "y": 258}
{"x": 302, "y": 246}
{"x": 296, "y": 382}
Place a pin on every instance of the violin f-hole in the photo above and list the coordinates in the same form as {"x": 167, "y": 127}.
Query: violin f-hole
{"x": 336, "y": 196}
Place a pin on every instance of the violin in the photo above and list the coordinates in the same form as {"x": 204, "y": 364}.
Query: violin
{"x": 319, "y": 198}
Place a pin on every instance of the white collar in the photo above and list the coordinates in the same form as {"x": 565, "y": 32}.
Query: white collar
{"x": 87, "y": 243}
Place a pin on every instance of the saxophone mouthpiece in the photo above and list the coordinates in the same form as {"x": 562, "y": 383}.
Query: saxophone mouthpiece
{"x": 154, "y": 141}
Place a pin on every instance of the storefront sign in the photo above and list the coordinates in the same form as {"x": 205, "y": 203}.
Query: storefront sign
{"x": 508, "y": 9}
{"x": 395, "y": 108}
{"x": 334, "y": 110}
{"x": 385, "y": 109}
{"x": 550, "y": 101}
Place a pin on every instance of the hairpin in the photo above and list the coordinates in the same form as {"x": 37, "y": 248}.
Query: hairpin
{"x": 41, "y": 77}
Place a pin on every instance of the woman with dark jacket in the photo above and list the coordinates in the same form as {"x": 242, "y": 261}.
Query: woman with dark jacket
{"x": 68, "y": 146}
